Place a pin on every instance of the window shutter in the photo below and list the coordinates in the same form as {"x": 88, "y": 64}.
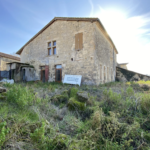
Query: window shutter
{"x": 76, "y": 41}
{"x": 41, "y": 75}
{"x": 80, "y": 41}
{"x": 46, "y": 73}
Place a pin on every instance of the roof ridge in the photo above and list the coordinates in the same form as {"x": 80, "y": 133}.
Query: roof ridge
{"x": 68, "y": 19}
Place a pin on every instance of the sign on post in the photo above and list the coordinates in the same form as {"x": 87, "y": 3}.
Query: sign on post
{"x": 72, "y": 79}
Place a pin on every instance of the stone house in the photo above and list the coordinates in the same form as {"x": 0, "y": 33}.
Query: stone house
{"x": 74, "y": 46}
{"x": 4, "y": 59}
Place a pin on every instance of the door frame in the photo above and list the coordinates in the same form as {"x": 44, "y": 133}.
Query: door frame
{"x": 60, "y": 74}
{"x": 42, "y": 74}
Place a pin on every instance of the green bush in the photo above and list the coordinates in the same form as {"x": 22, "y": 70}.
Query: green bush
{"x": 130, "y": 91}
{"x": 75, "y": 105}
{"x": 38, "y": 135}
{"x": 145, "y": 103}
{"x": 20, "y": 95}
{"x": 111, "y": 101}
{"x": 59, "y": 142}
{"x": 59, "y": 99}
{"x": 73, "y": 92}
{"x": 3, "y": 132}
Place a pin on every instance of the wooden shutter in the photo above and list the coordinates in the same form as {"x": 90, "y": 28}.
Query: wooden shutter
{"x": 77, "y": 42}
{"x": 46, "y": 73}
{"x": 80, "y": 35}
{"x": 41, "y": 75}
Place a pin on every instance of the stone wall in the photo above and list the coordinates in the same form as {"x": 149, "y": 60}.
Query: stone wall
{"x": 105, "y": 57}
{"x": 84, "y": 61}
{"x": 124, "y": 75}
{"x": 3, "y": 63}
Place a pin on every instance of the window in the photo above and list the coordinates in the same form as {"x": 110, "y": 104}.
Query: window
{"x": 78, "y": 41}
{"x": 49, "y": 51}
{"x": 49, "y": 44}
{"x": 54, "y": 43}
{"x": 52, "y": 48}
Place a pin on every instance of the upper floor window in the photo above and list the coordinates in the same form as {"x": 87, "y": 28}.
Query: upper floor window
{"x": 52, "y": 48}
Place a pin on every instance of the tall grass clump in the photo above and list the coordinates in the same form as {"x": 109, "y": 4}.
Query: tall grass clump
{"x": 111, "y": 100}
{"x": 20, "y": 95}
{"x": 145, "y": 103}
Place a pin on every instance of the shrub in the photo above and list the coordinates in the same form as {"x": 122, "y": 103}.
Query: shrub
{"x": 145, "y": 103}
{"x": 20, "y": 96}
{"x": 130, "y": 91}
{"x": 58, "y": 99}
{"x": 3, "y": 132}
{"x": 59, "y": 142}
{"x": 73, "y": 92}
{"x": 111, "y": 101}
{"x": 74, "y": 105}
{"x": 38, "y": 135}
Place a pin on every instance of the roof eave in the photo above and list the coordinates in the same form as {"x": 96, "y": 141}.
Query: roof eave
{"x": 67, "y": 19}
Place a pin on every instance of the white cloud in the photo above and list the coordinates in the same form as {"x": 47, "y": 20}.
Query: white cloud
{"x": 130, "y": 35}
{"x": 92, "y": 8}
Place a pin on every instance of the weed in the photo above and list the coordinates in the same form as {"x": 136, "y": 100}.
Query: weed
{"x": 3, "y": 132}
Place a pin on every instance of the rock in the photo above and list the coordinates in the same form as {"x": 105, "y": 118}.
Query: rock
{"x": 73, "y": 104}
{"x": 2, "y": 90}
{"x": 82, "y": 96}
{"x": 120, "y": 77}
{"x": 135, "y": 78}
{"x": 145, "y": 87}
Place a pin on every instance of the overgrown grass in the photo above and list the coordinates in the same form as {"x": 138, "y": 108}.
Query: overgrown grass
{"x": 112, "y": 121}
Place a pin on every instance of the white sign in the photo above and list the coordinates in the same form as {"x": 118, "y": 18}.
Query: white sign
{"x": 72, "y": 79}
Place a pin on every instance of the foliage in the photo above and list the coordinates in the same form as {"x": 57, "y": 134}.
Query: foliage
{"x": 59, "y": 99}
{"x": 111, "y": 101}
{"x": 20, "y": 96}
{"x": 75, "y": 105}
{"x": 3, "y": 132}
{"x": 145, "y": 103}
{"x": 115, "y": 117}
{"x": 38, "y": 135}
{"x": 73, "y": 92}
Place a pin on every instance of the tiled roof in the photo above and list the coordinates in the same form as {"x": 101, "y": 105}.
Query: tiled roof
{"x": 9, "y": 56}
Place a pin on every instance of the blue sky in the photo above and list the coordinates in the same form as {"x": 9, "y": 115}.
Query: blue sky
{"x": 127, "y": 22}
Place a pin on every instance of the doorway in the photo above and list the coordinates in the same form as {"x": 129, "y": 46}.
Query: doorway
{"x": 58, "y": 73}
{"x": 43, "y": 75}
{"x": 24, "y": 72}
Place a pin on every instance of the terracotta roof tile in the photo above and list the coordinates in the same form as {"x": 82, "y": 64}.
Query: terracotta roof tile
{"x": 9, "y": 56}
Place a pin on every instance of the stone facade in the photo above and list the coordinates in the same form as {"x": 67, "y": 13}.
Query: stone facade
{"x": 3, "y": 63}
{"x": 6, "y": 58}
{"x": 96, "y": 61}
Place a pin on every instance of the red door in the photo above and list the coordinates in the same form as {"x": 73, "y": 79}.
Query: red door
{"x": 46, "y": 73}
